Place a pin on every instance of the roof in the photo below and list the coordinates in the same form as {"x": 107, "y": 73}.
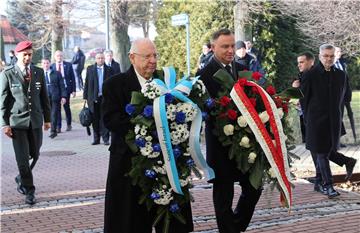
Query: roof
{"x": 11, "y": 35}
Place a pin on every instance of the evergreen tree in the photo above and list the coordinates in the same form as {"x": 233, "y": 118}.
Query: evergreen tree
{"x": 205, "y": 18}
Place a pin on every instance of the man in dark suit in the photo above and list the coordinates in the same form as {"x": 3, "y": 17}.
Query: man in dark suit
{"x": 96, "y": 74}
{"x": 78, "y": 63}
{"x": 56, "y": 92}
{"x": 226, "y": 173}
{"x": 324, "y": 88}
{"x": 109, "y": 61}
{"x": 123, "y": 213}
{"x": 24, "y": 106}
{"x": 67, "y": 72}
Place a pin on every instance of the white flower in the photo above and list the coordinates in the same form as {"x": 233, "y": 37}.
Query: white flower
{"x": 145, "y": 151}
{"x": 264, "y": 116}
{"x": 241, "y": 121}
{"x": 280, "y": 112}
{"x": 148, "y": 138}
{"x": 154, "y": 155}
{"x": 252, "y": 157}
{"x": 245, "y": 142}
{"x": 143, "y": 132}
{"x": 157, "y": 91}
{"x": 229, "y": 130}
{"x": 187, "y": 153}
{"x": 271, "y": 172}
{"x": 151, "y": 95}
{"x": 137, "y": 129}
{"x": 185, "y": 182}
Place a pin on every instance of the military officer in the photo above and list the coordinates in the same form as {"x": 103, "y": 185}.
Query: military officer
{"x": 24, "y": 106}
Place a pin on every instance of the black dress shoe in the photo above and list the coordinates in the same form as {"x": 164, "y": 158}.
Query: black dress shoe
{"x": 19, "y": 187}
{"x": 319, "y": 188}
{"x": 30, "y": 198}
{"x": 106, "y": 143}
{"x": 342, "y": 145}
{"x": 331, "y": 192}
{"x": 52, "y": 135}
{"x": 68, "y": 128}
{"x": 350, "y": 168}
{"x": 58, "y": 130}
{"x": 95, "y": 143}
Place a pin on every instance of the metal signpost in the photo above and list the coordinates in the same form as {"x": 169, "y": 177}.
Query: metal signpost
{"x": 179, "y": 20}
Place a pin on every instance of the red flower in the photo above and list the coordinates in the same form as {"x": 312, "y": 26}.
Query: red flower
{"x": 256, "y": 75}
{"x": 242, "y": 81}
{"x": 224, "y": 101}
{"x": 278, "y": 101}
{"x": 255, "y": 90}
{"x": 253, "y": 101}
{"x": 232, "y": 114}
{"x": 271, "y": 90}
{"x": 285, "y": 108}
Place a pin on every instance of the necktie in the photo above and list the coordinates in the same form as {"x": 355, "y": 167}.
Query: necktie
{"x": 47, "y": 82}
{"x": 100, "y": 78}
{"x": 228, "y": 69}
{"x": 27, "y": 74}
{"x": 58, "y": 67}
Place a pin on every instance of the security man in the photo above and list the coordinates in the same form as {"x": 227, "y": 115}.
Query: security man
{"x": 24, "y": 105}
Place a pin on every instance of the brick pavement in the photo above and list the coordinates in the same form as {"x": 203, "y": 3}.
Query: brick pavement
{"x": 70, "y": 179}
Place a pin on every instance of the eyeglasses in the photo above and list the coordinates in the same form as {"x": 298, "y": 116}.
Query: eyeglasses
{"x": 148, "y": 56}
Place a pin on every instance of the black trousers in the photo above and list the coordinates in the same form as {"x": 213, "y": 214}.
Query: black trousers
{"x": 55, "y": 109}
{"x": 123, "y": 213}
{"x": 302, "y": 127}
{"x": 27, "y": 143}
{"x": 230, "y": 221}
{"x": 67, "y": 112}
{"x": 98, "y": 123}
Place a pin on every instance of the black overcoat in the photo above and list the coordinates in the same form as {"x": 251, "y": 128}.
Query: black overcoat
{"x": 122, "y": 211}
{"x": 323, "y": 97}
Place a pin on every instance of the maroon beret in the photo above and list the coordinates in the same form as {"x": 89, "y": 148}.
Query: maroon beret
{"x": 23, "y": 45}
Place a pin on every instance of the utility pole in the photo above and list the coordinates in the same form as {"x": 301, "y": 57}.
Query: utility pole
{"x": 107, "y": 24}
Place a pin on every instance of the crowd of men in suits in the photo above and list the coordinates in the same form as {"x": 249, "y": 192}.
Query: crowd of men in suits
{"x": 31, "y": 96}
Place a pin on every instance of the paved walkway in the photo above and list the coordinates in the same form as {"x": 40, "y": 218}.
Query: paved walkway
{"x": 70, "y": 179}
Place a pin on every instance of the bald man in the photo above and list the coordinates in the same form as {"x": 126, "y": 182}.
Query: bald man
{"x": 123, "y": 213}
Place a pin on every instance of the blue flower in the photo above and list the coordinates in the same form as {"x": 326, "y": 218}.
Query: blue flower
{"x": 150, "y": 173}
{"x": 140, "y": 142}
{"x": 205, "y": 116}
{"x": 177, "y": 152}
{"x": 190, "y": 162}
{"x": 169, "y": 98}
{"x": 180, "y": 117}
{"x": 210, "y": 103}
{"x": 148, "y": 111}
{"x": 157, "y": 147}
{"x": 130, "y": 109}
{"x": 154, "y": 196}
{"x": 174, "y": 208}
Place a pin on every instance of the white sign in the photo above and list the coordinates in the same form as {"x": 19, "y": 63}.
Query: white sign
{"x": 178, "y": 20}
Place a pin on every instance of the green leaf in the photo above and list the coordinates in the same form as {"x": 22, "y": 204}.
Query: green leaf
{"x": 291, "y": 92}
{"x": 224, "y": 78}
{"x": 257, "y": 173}
{"x": 141, "y": 120}
{"x": 137, "y": 98}
{"x": 179, "y": 217}
{"x": 166, "y": 222}
{"x": 160, "y": 212}
{"x": 245, "y": 74}
{"x": 130, "y": 141}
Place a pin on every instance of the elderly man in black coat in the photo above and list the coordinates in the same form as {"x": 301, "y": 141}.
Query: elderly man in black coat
{"x": 226, "y": 172}
{"x": 123, "y": 213}
{"x": 324, "y": 89}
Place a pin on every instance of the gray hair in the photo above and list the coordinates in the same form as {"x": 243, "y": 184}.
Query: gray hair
{"x": 135, "y": 44}
{"x": 108, "y": 51}
{"x": 326, "y": 46}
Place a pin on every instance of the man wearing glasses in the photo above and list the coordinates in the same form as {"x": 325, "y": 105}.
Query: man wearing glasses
{"x": 323, "y": 88}
{"x": 123, "y": 213}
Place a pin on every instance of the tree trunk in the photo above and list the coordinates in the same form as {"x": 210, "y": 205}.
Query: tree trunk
{"x": 2, "y": 53}
{"x": 120, "y": 41}
{"x": 242, "y": 29}
{"x": 57, "y": 27}
{"x": 145, "y": 28}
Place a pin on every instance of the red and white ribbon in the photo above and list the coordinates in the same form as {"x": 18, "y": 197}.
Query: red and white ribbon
{"x": 275, "y": 151}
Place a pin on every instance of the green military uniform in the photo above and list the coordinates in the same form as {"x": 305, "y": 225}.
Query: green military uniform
{"x": 24, "y": 105}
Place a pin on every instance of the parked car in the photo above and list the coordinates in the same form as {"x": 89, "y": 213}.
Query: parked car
{"x": 91, "y": 53}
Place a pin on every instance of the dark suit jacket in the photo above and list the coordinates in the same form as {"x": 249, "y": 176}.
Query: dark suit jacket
{"x": 69, "y": 76}
{"x": 323, "y": 96}
{"x": 56, "y": 89}
{"x": 115, "y": 66}
{"x": 22, "y": 103}
{"x": 91, "y": 88}
{"x": 79, "y": 60}
{"x": 217, "y": 155}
